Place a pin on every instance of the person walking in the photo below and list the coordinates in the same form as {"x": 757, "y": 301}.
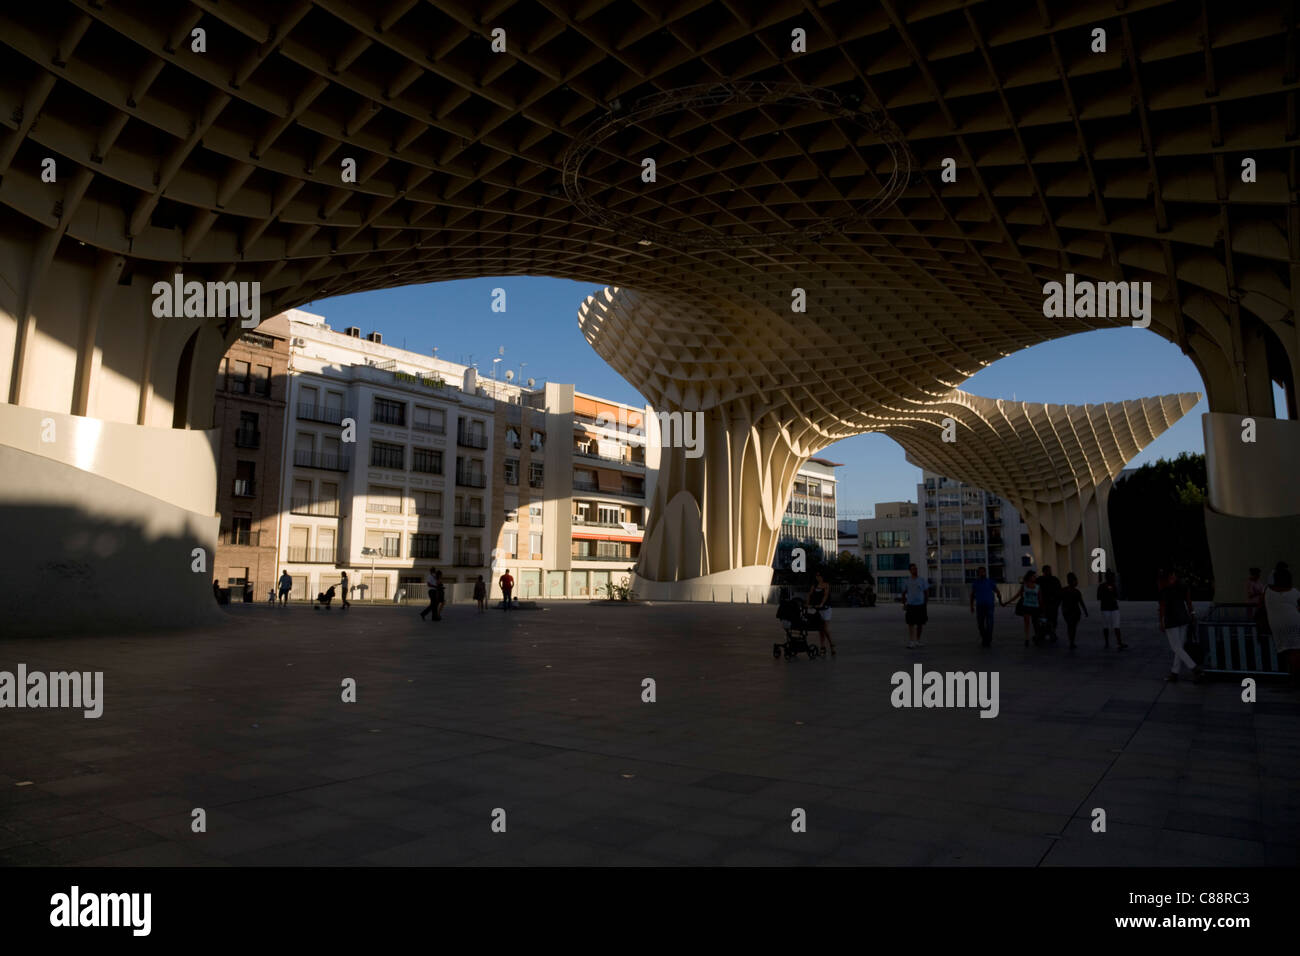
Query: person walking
{"x": 819, "y": 602}
{"x": 1108, "y": 599}
{"x": 431, "y": 585}
{"x": 1027, "y": 601}
{"x": 1049, "y": 586}
{"x": 286, "y": 585}
{"x": 1071, "y": 604}
{"x": 480, "y": 594}
{"x": 1176, "y": 613}
{"x": 1282, "y": 602}
{"x": 216, "y": 590}
{"x": 343, "y": 590}
{"x": 915, "y": 597}
{"x": 983, "y": 594}
{"x": 507, "y": 586}
{"x": 1255, "y": 591}
{"x": 442, "y": 593}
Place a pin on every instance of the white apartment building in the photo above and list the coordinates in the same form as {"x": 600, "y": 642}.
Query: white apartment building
{"x": 889, "y": 543}
{"x": 964, "y": 527}
{"x": 811, "y": 510}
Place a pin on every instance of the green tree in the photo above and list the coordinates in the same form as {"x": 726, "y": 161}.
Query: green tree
{"x": 1157, "y": 521}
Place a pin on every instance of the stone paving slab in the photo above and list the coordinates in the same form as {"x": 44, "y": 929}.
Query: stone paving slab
{"x": 540, "y": 714}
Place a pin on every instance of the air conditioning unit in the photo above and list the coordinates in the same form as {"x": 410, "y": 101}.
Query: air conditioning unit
{"x": 376, "y": 337}
{"x": 299, "y": 343}
{"x": 353, "y": 331}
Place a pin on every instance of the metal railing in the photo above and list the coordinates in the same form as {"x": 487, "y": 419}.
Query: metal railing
{"x": 620, "y": 460}
{"x": 247, "y": 438}
{"x": 466, "y": 519}
{"x": 242, "y": 538}
{"x": 467, "y": 561}
{"x": 623, "y": 558}
{"x": 319, "y": 507}
{"x": 321, "y": 413}
{"x": 1231, "y": 642}
{"x": 376, "y": 507}
{"x": 312, "y": 555}
{"x": 429, "y": 427}
{"x": 308, "y": 459}
{"x": 245, "y": 488}
{"x": 388, "y": 416}
{"x": 391, "y": 458}
{"x": 470, "y": 440}
{"x": 470, "y": 480}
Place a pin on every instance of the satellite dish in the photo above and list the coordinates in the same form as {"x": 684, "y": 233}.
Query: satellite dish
{"x": 532, "y": 382}
{"x": 510, "y": 375}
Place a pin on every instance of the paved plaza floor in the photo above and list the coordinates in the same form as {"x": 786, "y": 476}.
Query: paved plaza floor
{"x": 540, "y": 714}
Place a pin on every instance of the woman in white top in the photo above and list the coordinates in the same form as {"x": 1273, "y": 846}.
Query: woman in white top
{"x": 1282, "y": 604}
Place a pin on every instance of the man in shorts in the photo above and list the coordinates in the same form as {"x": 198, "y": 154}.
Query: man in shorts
{"x": 915, "y": 592}
{"x": 1108, "y": 598}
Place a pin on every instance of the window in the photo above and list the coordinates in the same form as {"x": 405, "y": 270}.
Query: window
{"x": 536, "y": 474}
{"x": 429, "y": 420}
{"x": 262, "y": 381}
{"x": 538, "y": 441}
{"x": 247, "y": 435}
{"x": 385, "y": 455}
{"x": 384, "y": 500}
{"x": 427, "y": 461}
{"x": 1025, "y": 560}
{"x": 1024, "y": 539}
{"x": 535, "y": 544}
{"x": 424, "y": 546}
{"x": 512, "y": 471}
{"x": 893, "y": 539}
{"x": 892, "y": 562}
{"x": 510, "y": 544}
{"x": 633, "y": 486}
{"x": 388, "y": 412}
{"x": 428, "y": 504}
{"x": 512, "y": 437}
{"x": 245, "y": 485}
{"x": 241, "y": 530}
{"x": 388, "y": 543}
{"x": 235, "y": 579}
{"x": 535, "y": 511}
{"x": 239, "y": 382}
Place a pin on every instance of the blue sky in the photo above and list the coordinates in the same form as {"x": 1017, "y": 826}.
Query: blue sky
{"x": 540, "y": 328}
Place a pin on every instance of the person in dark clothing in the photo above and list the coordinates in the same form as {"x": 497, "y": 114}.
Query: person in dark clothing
{"x": 480, "y": 594}
{"x": 983, "y": 594}
{"x": 343, "y": 590}
{"x": 1050, "y": 591}
{"x": 1071, "y": 604}
{"x": 442, "y": 593}
{"x": 326, "y": 597}
{"x": 1176, "y": 613}
{"x": 431, "y": 584}
{"x": 216, "y": 590}
{"x": 1108, "y": 599}
{"x": 507, "y": 583}
{"x": 819, "y": 603}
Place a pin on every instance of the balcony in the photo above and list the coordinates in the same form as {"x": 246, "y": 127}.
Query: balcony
{"x": 621, "y": 558}
{"x": 312, "y": 555}
{"x": 622, "y": 461}
{"x": 467, "y": 561}
{"x": 307, "y": 459}
{"x": 466, "y": 519}
{"x": 470, "y": 480}
{"x": 579, "y": 522}
{"x": 321, "y": 413}
{"x": 429, "y": 427}
{"x": 248, "y": 438}
{"x": 240, "y": 538}
{"x": 426, "y": 551}
{"x": 319, "y": 507}
{"x": 592, "y": 487}
{"x": 245, "y": 488}
{"x": 389, "y": 416}
{"x": 469, "y": 440}
{"x": 378, "y": 508}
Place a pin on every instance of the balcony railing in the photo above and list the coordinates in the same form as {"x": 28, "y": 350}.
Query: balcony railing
{"x": 470, "y": 480}
{"x": 419, "y": 550}
{"x": 321, "y": 413}
{"x": 312, "y": 555}
{"x": 241, "y": 538}
{"x": 467, "y": 561}
{"x": 248, "y": 438}
{"x": 389, "y": 416}
{"x": 245, "y": 488}
{"x": 536, "y": 481}
{"x": 429, "y": 427}
{"x": 426, "y": 467}
{"x": 307, "y": 459}
{"x": 624, "y": 558}
{"x": 380, "y": 508}
{"x": 319, "y": 507}
{"x": 470, "y": 440}
{"x": 622, "y": 461}
{"x": 467, "y": 519}
{"x": 588, "y": 523}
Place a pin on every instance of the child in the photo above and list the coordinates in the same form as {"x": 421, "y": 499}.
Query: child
{"x": 1071, "y": 605}
{"x": 325, "y": 597}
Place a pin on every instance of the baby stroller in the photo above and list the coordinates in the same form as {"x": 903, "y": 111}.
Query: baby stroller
{"x": 323, "y": 599}
{"x": 795, "y": 620}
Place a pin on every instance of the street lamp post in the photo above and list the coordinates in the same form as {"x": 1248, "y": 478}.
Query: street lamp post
{"x": 374, "y": 553}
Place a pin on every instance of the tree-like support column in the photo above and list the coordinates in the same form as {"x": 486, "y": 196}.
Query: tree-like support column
{"x": 715, "y": 518}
